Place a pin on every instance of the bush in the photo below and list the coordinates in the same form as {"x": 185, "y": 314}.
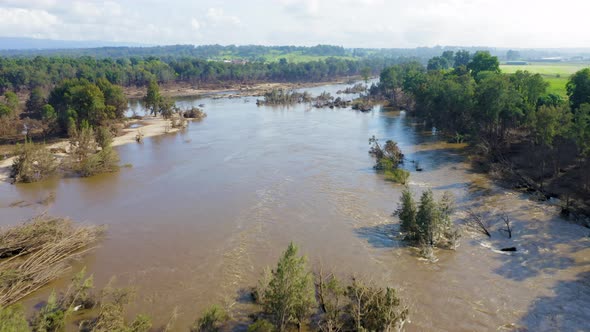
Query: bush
{"x": 397, "y": 175}
{"x": 104, "y": 161}
{"x": 13, "y": 319}
{"x": 104, "y": 137}
{"x": 375, "y": 309}
{"x": 211, "y": 320}
{"x": 261, "y": 325}
{"x": 33, "y": 163}
{"x": 194, "y": 113}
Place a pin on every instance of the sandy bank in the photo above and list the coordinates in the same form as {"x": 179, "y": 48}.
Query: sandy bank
{"x": 149, "y": 127}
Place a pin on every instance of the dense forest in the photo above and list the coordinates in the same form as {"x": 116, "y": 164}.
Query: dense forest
{"x": 18, "y": 74}
{"x": 265, "y": 53}
{"x": 540, "y": 139}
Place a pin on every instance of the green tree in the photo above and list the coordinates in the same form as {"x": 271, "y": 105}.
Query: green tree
{"x": 407, "y": 213}
{"x": 578, "y": 88}
{"x": 366, "y": 73}
{"x": 35, "y": 102}
{"x": 290, "y": 295}
{"x": 483, "y": 61}
{"x": 153, "y": 99}
{"x": 438, "y": 63}
{"x": 462, "y": 58}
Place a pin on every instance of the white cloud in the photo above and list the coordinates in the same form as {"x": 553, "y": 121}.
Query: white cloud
{"x": 216, "y": 16}
{"x": 27, "y": 22}
{"x": 351, "y": 23}
{"x": 195, "y": 24}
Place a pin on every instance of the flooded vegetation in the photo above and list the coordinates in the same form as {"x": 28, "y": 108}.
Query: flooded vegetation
{"x": 203, "y": 212}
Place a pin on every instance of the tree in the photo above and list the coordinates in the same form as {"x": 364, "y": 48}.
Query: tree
{"x": 578, "y": 88}
{"x": 35, "y": 102}
{"x": 483, "y": 61}
{"x": 438, "y": 63}
{"x": 462, "y": 58}
{"x": 290, "y": 295}
{"x": 153, "y": 98}
{"x": 449, "y": 56}
{"x": 512, "y": 55}
{"x": 407, "y": 213}
{"x": 366, "y": 73}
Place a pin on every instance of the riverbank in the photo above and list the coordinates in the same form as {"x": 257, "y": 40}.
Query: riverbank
{"x": 229, "y": 90}
{"x": 148, "y": 127}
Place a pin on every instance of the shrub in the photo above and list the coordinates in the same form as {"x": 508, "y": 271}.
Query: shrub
{"x": 104, "y": 161}
{"x": 397, "y": 175}
{"x": 261, "y": 325}
{"x": 33, "y": 163}
{"x": 375, "y": 309}
{"x": 211, "y": 320}
{"x": 13, "y": 319}
{"x": 104, "y": 137}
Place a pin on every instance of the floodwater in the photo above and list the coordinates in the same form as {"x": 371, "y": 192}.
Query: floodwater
{"x": 202, "y": 212}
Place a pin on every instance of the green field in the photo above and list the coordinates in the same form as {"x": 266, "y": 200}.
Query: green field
{"x": 557, "y": 74}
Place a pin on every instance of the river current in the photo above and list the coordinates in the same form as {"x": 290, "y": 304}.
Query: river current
{"x": 200, "y": 213}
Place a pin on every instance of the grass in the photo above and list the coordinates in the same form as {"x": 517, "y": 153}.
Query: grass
{"x": 556, "y": 74}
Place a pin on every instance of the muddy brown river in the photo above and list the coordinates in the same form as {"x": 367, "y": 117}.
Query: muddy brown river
{"x": 200, "y": 213}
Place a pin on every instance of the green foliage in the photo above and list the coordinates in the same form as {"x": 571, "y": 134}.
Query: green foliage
{"x": 578, "y": 88}
{"x": 51, "y": 317}
{"x": 12, "y": 319}
{"x": 407, "y": 213}
{"x": 375, "y": 309}
{"x": 36, "y": 101}
{"x": 33, "y": 163}
{"x": 211, "y": 321}
{"x": 581, "y": 129}
{"x": 84, "y": 158}
{"x": 397, "y": 175}
{"x": 289, "y": 296}
{"x": 104, "y": 137}
{"x": 462, "y": 58}
{"x": 261, "y": 325}
{"x": 79, "y": 101}
{"x": 483, "y": 61}
{"x": 430, "y": 223}
{"x": 153, "y": 98}
{"x": 104, "y": 161}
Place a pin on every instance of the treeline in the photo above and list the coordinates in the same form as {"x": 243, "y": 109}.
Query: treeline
{"x": 18, "y": 74}
{"x": 248, "y": 52}
{"x": 511, "y": 118}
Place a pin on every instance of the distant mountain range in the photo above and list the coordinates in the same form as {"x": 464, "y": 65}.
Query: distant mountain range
{"x": 18, "y": 43}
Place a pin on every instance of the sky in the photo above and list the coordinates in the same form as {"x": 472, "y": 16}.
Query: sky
{"x": 349, "y": 23}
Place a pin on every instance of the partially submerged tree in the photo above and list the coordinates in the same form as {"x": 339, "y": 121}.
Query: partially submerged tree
{"x": 289, "y": 296}
{"x": 429, "y": 224}
{"x": 33, "y": 163}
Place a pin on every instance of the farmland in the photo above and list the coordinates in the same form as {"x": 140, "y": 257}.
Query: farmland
{"x": 556, "y": 74}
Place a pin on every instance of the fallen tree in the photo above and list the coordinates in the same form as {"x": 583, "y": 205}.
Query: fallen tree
{"x": 39, "y": 251}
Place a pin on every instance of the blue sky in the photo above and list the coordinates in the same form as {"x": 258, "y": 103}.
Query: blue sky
{"x": 350, "y": 23}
